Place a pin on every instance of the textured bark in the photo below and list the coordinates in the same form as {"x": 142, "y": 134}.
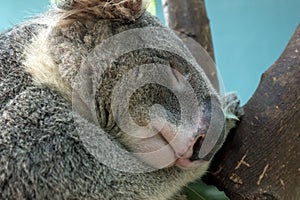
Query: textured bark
{"x": 190, "y": 21}
{"x": 261, "y": 159}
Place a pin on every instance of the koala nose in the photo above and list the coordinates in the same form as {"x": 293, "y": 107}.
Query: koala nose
{"x": 189, "y": 149}
{"x": 209, "y": 129}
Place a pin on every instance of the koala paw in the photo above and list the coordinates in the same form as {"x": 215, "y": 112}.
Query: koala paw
{"x": 232, "y": 109}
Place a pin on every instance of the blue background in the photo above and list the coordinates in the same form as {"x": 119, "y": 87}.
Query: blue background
{"x": 248, "y": 35}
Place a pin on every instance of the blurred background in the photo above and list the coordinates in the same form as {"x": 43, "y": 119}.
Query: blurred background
{"x": 248, "y": 36}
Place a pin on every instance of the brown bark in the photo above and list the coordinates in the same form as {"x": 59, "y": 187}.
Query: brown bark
{"x": 190, "y": 21}
{"x": 261, "y": 158}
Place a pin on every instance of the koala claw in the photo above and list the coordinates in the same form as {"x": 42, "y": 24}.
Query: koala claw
{"x": 232, "y": 109}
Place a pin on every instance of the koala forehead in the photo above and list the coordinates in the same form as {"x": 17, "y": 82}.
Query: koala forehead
{"x": 82, "y": 39}
{"x": 143, "y": 65}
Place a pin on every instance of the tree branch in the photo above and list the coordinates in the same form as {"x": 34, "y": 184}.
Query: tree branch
{"x": 261, "y": 158}
{"x": 189, "y": 20}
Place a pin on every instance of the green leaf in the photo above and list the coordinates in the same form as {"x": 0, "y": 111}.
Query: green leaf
{"x": 230, "y": 115}
{"x": 152, "y": 7}
{"x": 200, "y": 191}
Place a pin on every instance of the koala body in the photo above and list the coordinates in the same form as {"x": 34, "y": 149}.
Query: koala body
{"x": 43, "y": 150}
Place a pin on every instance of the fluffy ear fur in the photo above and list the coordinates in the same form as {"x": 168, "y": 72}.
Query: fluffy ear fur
{"x": 106, "y": 9}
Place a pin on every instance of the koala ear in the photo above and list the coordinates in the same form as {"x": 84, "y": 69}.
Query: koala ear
{"x": 105, "y": 9}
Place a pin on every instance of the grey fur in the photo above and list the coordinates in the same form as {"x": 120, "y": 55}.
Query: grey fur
{"x": 41, "y": 153}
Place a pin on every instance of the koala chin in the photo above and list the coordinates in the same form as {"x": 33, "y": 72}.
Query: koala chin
{"x": 155, "y": 107}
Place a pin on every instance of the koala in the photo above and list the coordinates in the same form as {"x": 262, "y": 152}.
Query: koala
{"x": 98, "y": 100}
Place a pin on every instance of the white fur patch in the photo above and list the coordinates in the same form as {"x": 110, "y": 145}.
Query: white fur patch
{"x": 39, "y": 63}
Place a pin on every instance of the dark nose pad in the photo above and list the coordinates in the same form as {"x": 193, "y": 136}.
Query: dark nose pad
{"x": 211, "y": 131}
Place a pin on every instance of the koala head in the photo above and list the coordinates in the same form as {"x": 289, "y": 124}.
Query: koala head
{"x": 134, "y": 78}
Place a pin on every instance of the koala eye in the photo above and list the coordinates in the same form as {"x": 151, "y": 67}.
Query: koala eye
{"x": 106, "y": 119}
{"x": 176, "y": 71}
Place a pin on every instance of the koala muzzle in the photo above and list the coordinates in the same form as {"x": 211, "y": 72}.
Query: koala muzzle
{"x": 194, "y": 149}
